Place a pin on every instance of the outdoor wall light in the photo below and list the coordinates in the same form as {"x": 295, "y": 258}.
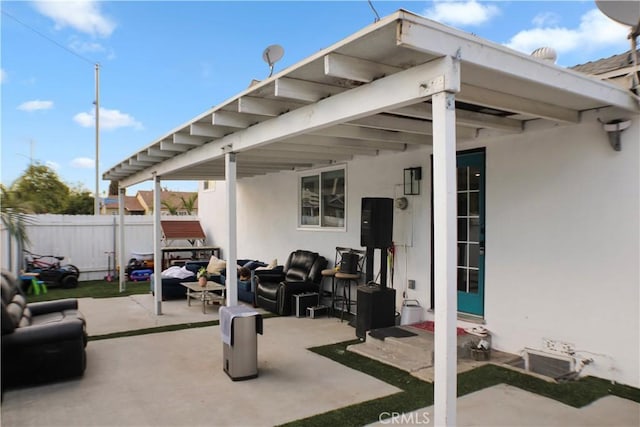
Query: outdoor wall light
{"x": 614, "y": 128}
{"x": 412, "y": 178}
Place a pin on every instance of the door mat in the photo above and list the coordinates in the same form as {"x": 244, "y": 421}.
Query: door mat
{"x": 430, "y": 326}
{"x": 392, "y": 331}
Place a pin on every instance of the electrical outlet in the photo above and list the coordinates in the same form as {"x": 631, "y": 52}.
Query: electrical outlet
{"x": 411, "y": 284}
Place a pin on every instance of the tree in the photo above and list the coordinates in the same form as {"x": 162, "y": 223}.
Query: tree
{"x": 79, "y": 202}
{"x": 113, "y": 188}
{"x": 41, "y": 188}
{"x": 14, "y": 216}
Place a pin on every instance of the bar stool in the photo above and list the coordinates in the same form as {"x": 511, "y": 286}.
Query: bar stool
{"x": 351, "y": 268}
{"x": 331, "y": 272}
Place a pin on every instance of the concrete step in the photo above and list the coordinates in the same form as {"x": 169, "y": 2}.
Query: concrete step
{"x": 412, "y": 354}
{"x": 407, "y": 353}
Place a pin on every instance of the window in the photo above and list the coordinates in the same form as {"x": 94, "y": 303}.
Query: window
{"x": 208, "y": 185}
{"x": 322, "y": 199}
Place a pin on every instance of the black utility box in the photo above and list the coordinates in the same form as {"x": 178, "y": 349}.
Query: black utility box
{"x": 376, "y": 309}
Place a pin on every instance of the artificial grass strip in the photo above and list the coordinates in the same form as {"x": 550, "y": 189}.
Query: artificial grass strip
{"x": 160, "y": 329}
{"x": 92, "y": 289}
{"x": 418, "y": 394}
{"x": 154, "y": 330}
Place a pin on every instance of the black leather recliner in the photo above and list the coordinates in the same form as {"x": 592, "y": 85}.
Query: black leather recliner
{"x": 41, "y": 342}
{"x": 301, "y": 273}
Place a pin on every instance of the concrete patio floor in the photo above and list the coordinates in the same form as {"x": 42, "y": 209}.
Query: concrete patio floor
{"x": 176, "y": 379}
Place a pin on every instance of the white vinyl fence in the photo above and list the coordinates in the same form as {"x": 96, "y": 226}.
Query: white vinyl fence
{"x": 84, "y": 240}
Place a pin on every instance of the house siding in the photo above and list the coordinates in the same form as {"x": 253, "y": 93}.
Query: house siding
{"x": 562, "y": 236}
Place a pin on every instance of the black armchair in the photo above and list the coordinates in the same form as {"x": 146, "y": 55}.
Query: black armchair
{"x": 301, "y": 273}
{"x": 41, "y": 342}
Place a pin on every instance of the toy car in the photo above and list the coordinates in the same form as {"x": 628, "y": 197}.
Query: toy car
{"x": 50, "y": 271}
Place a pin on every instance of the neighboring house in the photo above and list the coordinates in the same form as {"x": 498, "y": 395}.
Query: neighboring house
{"x": 544, "y": 219}
{"x": 132, "y": 206}
{"x": 171, "y": 203}
{"x": 617, "y": 68}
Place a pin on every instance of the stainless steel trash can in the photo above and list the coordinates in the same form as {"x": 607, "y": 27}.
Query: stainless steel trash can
{"x": 240, "y": 326}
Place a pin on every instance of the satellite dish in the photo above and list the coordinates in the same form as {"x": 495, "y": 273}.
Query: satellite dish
{"x": 271, "y": 55}
{"x": 625, "y": 12}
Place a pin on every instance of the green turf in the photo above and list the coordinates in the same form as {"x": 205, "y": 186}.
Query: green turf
{"x": 92, "y": 289}
{"x": 154, "y": 330}
{"x": 418, "y": 394}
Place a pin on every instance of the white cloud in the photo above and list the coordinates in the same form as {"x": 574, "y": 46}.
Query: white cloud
{"x": 546, "y": 18}
{"x": 3, "y": 75}
{"x": 83, "y": 163}
{"x": 595, "y": 31}
{"x": 461, "y": 13}
{"x": 53, "y": 165}
{"x": 80, "y": 46}
{"x": 35, "y": 105}
{"x": 82, "y": 15}
{"x": 109, "y": 119}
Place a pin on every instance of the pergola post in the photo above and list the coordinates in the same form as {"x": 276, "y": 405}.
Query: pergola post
{"x": 121, "y": 277}
{"x": 232, "y": 244}
{"x": 444, "y": 200}
{"x": 157, "y": 253}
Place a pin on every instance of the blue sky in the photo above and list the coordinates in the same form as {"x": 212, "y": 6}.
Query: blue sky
{"x": 163, "y": 63}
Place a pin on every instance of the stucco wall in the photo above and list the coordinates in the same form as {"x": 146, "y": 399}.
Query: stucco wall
{"x": 562, "y": 236}
{"x": 563, "y": 245}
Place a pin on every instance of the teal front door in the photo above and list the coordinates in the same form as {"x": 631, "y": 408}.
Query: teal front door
{"x": 471, "y": 232}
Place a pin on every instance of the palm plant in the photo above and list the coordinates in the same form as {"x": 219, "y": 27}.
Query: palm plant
{"x": 173, "y": 210}
{"x": 15, "y": 218}
{"x": 189, "y": 204}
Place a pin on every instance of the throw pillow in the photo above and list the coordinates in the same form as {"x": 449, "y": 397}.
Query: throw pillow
{"x": 273, "y": 264}
{"x": 216, "y": 265}
{"x": 252, "y": 265}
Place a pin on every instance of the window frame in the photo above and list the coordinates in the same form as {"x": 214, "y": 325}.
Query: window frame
{"x": 318, "y": 173}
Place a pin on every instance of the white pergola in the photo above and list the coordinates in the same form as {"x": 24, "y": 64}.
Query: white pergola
{"x": 404, "y": 80}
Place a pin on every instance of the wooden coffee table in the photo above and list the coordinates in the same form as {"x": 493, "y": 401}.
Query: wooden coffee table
{"x": 204, "y": 293}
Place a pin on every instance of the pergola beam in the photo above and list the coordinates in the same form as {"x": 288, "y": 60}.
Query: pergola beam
{"x": 184, "y": 139}
{"x": 356, "y": 69}
{"x": 398, "y": 90}
{"x": 347, "y": 143}
{"x": 403, "y": 124}
{"x": 358, "y": 132}
{"x": 204, "y": 129}
{"x": 303, "y": 90}
{"x": 463, "y": 118}
{"x": 439, "y": 39}
{"x": 266, "y": 107}
{"x": 504, "y": 101}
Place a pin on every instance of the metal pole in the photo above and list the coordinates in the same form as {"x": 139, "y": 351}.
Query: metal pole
{"x": 96, "y": 202}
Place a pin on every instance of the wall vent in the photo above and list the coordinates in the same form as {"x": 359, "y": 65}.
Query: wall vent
{"x": 548, "y": 364}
